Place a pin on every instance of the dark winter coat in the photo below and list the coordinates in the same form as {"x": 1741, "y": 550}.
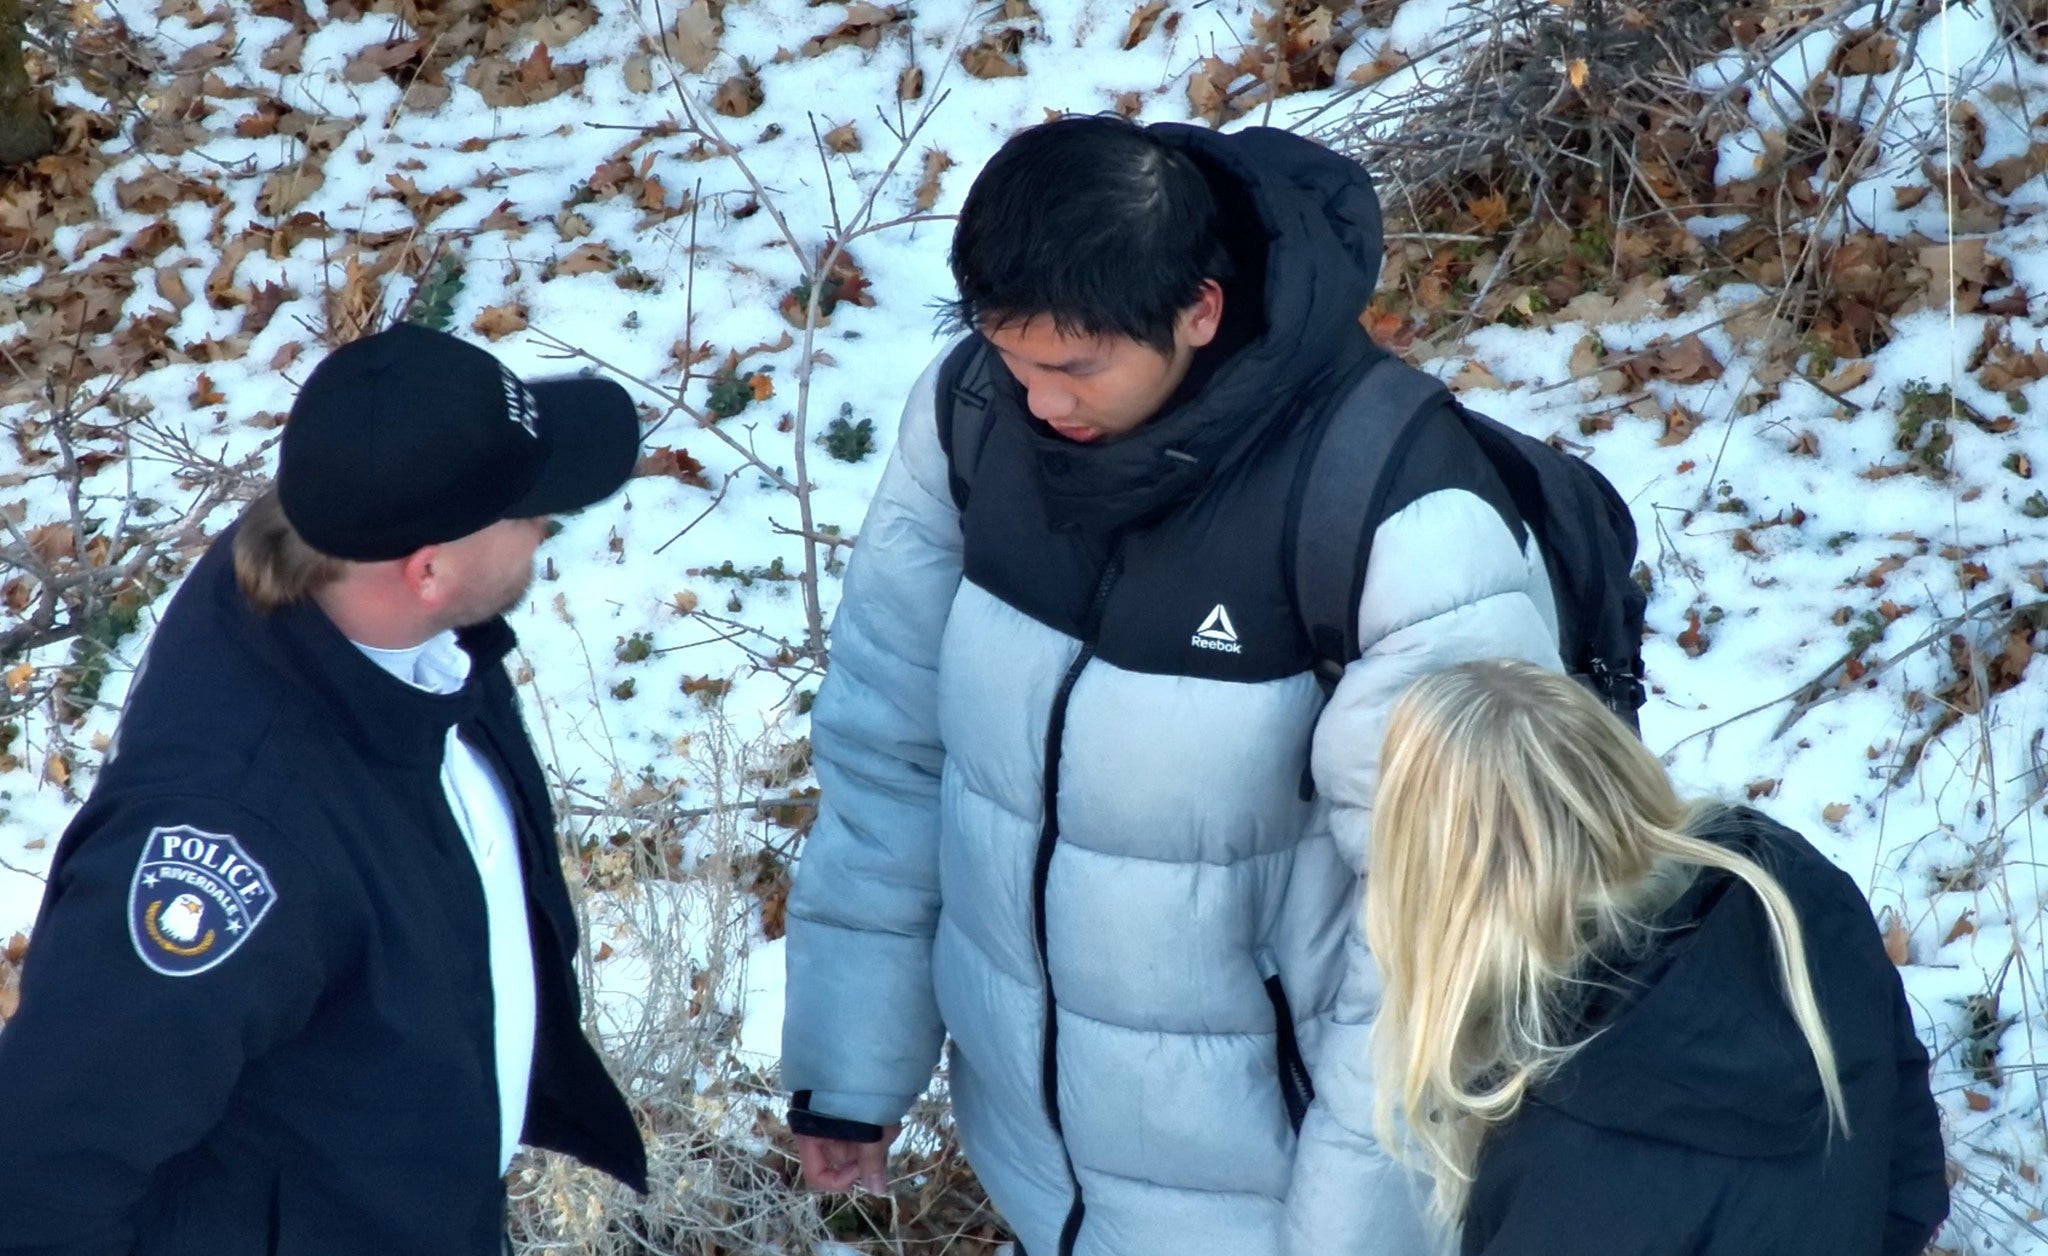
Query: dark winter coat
{"x": 1085, "y": 807}
{"x": 1694, "y": 1122}
{"x": 256, "y": 1016}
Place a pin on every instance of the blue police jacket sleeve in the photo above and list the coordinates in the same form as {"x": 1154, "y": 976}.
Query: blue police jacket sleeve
{"x": 1919, "y": 1179}
{"x": 179, "y": 940}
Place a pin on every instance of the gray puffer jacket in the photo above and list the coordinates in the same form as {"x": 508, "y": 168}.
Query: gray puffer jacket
{"x": 1086, "y": 808}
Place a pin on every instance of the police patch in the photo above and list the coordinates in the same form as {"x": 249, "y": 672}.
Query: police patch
{"x": 196, "y": 896}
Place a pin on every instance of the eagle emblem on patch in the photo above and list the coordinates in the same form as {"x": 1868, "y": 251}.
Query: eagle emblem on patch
{"x": 196, "y": 897}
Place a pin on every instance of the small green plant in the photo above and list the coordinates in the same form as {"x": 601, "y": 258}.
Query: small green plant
{"x": 2036, "y": 505}
{"x": 846, "y": 440}
{"x": 634, "y": 649}
{"x": 1869, "y": 630}
{"x": 745, "y": 576}
{"x": 624, "y": 689}
{"x": 729, "y": 397}
{"x": 433, "y": 302}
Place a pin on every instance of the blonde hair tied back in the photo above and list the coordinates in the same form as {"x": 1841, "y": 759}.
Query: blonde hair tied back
{"x": 1519, "y": 831}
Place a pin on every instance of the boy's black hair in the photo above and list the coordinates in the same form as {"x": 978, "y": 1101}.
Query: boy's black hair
{"x": 1091, "y": 222}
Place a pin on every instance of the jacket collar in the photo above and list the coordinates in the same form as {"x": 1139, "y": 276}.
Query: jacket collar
{"x": 389, "y": 719}
{"x": 1303, "y": 225}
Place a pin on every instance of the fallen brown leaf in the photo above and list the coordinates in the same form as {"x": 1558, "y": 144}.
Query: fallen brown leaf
{"x": 1143, "y": 19}
{"x": 936, "y": 163}
{"x": 995, "y": 56}
{"x": 677, "y": 464}
{"x": 1691, "y": 639}
{"x": 500, "y": 321}
{"x": 1964, "y": 926}
{"x": 738, "y": 96}
{"x": 693, "y": 40}
{"x": 1679, "y": 423}
{"x": 1898, "y": 944}
{"x": 585, "y": 259}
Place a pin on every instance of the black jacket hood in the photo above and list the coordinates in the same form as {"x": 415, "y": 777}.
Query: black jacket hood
{"x": 1700, "y": 1048}
{"x": 1304, "y": 223}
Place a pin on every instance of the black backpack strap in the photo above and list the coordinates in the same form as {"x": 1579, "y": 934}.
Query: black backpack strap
{"x": 962, "y": 401}
{"x": 1339, "y": 495}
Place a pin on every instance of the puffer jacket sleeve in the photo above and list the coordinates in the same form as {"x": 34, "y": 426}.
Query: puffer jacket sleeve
{"x": 1448, "y": 582}
{"x": 862, "y": 1031}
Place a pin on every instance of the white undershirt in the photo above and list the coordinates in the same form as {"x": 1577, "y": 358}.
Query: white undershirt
{"x": 483, "y": 812}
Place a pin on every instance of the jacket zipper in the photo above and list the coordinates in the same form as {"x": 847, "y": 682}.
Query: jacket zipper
{"x": 1048, "y": 837}
{"x": 1297, "y": 1089}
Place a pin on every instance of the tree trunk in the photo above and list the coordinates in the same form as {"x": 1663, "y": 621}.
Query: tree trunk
{"x": 25, "y": 134}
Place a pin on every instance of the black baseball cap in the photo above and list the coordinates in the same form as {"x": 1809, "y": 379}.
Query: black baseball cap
{"x": 411, "y": 437}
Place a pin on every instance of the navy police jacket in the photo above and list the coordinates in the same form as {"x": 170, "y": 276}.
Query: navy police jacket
{"x": 256, "y": 1013}
{"x": 1694, "y": 1122}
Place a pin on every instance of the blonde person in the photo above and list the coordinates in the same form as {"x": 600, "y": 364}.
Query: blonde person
{"x": 1619, "y": 1024}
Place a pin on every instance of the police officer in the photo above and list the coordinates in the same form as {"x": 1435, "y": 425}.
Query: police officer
{"x": 301, "y": 982}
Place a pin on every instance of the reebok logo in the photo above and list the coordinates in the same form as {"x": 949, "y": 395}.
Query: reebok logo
{"x": 1217, "y": 633}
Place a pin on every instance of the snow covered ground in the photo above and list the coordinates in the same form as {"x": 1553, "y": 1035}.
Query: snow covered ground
{"x": 1829, "y": 547}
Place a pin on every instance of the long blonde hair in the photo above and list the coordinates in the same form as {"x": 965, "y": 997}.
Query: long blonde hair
{"x": 274, "y": 565}
{"x": 1521, "y": 833}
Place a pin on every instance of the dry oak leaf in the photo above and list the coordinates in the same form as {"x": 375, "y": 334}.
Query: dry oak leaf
{"x": 843, "y": 139}
{"x": 500, "y": 321}
{"x": 586, "y": 259}
{"x": 1898, "y": 943}
{"x": 910, "y": 84}
{"x": 1873, "y": 52}
{"x": 171, "y": 286}
{"x": 639, "y": 72}
{"x": 1491, "y": 212}
{"x": 1693, "y": 641}
{"x": 52, "y": 541}
{"x": 677, "y": 464}
{"x": 1209, "y": 88}
{"x": 1679, "y": 423}
{"x": 18, "y": 676}
{"x": 693, "y": 41}
{"x": 1976, "y": 1100}
{"x": 936, "y": 163}
{"x": 1684, "y": 361}
{"x": 286, "y": 190}
{"x": 1848, "y": 377}
{"x": 1475, "y": 376}
{"x": 994, "y": 57}
{"x": 1834, "y": 813}
{"x": 739, "y": 95}
{"x": 862, "y": 29}
{"x": 205, "y": 394}
{"x": 1143, "y": 19}
{"x": 16, "y": 949}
